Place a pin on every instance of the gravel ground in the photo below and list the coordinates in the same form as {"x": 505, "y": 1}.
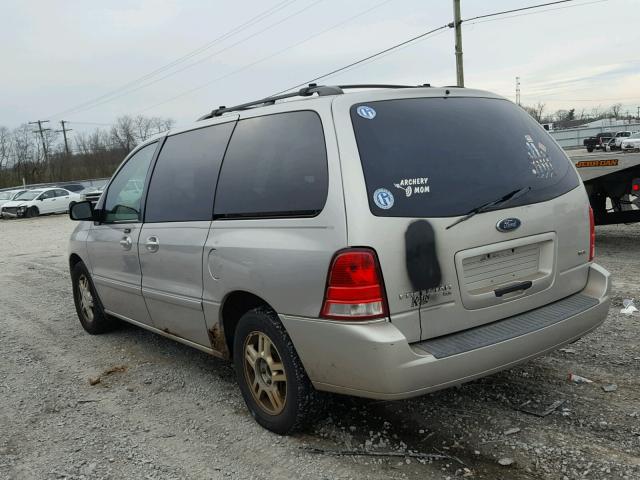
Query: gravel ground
{"x": 168, "y": 411}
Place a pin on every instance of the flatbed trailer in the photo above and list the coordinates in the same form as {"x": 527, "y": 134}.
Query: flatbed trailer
{"x": 612, "y": 181}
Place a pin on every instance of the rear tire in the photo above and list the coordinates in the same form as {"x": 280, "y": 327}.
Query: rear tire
{"x": 32, "y": 212}
{"x": 273, "y": 382}
{"x": 88, "y": 305}
{"x": 589, "y": 149}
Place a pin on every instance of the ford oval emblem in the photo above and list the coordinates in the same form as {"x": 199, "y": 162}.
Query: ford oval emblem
{"x": 508, "y": 224}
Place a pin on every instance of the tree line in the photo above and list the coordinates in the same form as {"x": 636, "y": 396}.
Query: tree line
{"x": 27, "y": 157}
{"x": 538, "y": 111}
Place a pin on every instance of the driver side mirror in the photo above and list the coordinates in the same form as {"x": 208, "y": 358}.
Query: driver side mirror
{"x": 83, "y": 211}
{"x": 40, "y": 199}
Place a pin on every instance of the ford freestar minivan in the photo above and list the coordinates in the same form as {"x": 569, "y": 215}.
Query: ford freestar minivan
{"x": 382, "y": 243}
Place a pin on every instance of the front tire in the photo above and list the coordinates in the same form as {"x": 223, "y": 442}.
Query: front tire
{"x": 32, "y": 212}
{"x": 88, "y": 305}
{"x": 273, "y": 382}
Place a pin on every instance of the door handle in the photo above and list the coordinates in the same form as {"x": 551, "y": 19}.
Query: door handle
{"x": 126, "y": 243}
{"x": 152, "y": 244}
{"x": 513, "y": 288}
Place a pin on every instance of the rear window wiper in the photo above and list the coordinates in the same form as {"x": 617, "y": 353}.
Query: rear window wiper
{"x": 483, "y": 208}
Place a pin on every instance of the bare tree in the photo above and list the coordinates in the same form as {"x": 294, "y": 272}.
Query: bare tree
{"x": 96, "y": 154}
{"x": 5, "y": 147}
{"x": 161, "y": 124}
{"x": 143, "y": 127}
{"x": 535, "y": 111}
{"x": 122, "y": 133}
{"x": 615, "y": 110}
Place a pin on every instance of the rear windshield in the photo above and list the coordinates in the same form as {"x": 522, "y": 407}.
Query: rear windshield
{"x": 442, "y": 157}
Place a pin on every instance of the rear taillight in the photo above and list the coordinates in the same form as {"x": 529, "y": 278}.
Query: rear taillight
{"x": 592, "y": 235}
{"x": 635, "y": 185}
{"x": 354, "y": 287}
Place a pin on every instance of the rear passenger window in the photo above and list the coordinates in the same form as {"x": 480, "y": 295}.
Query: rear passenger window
{"x": 276, "y": 165}
{"x": 184, "y": 178}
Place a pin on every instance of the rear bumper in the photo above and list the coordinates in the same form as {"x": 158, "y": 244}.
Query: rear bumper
{"x": 375, "y": 360}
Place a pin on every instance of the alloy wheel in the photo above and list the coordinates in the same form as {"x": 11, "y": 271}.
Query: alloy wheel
{"x": 265, "y": 373}
{"x": 86, "y": 298}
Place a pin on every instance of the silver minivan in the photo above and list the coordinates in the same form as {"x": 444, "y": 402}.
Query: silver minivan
{"x": 382, "y": 243}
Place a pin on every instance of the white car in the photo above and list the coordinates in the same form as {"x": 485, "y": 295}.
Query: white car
{"x": 8, "y": 195}
{"x": 621, "y": 137}
{"x": 38, "y": 202}
{"x": 631, "y": 143}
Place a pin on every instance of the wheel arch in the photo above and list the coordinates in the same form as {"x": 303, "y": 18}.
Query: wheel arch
{"x": 74, "y": 259}
{"x": 234, "y": 306}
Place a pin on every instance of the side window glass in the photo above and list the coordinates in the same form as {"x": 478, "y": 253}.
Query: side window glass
{"x": 48, "y": 194}
{"x": 184, "y": 178}
{"x": 61, "y": 193}
{"x": 276, "y": 165}
{"x": 125, "y": 192}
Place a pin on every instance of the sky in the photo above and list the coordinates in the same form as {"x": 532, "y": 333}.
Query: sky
{"x": 90, "y": 62}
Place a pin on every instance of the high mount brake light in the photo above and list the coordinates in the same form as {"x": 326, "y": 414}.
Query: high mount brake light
{"x": 354, "y": 287}
{"x": 592, "y": 235}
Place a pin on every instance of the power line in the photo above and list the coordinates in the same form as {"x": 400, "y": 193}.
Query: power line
{"x": 506, "y": 17}
{"x": 504, "y": 12}
{"x": 197, "y": 62}
{"x": 268, "y": 57}
{"x": 252, "y": 21}
{"x": 352, "y": 64}
{"x": 417, "y": 37}
{"x": 362, "y": 61}
{"x": 99, "y": 124}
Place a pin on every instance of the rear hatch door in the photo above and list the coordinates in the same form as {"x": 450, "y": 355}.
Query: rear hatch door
{"x": 413, "y": 165}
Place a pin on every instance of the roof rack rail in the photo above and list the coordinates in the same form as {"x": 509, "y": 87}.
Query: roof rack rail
{"x": 321, "y": 90}
{"x": 381, "y": 85}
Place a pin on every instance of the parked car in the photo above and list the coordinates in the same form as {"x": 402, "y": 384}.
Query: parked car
{"x": 619, "y": 138}
{"x": 73, "y": 187}
{"x": 93, "y": 192}
{"x": 597, "y": 142}
{"x": 8, "y": 195}
{"x": 382, "y": 243}
{"x": 631, "y": 143}
{"x": 41, "y": 201}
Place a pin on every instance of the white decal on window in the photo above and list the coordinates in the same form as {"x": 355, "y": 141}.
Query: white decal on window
{"x": 540, "y": 162}
{"x": 414, "y": 186}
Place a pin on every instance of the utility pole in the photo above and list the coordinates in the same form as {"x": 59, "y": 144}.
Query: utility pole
{"x": 457, "y": 23}
{"x": 64, "y": 134}
{"x": 518, "y": 90}
{"x": 41, "y": 132}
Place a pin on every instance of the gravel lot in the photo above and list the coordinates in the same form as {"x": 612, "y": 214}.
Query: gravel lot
{"x": 174, "y": 412}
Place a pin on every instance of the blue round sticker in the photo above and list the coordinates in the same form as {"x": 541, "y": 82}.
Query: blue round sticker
{"x": 383, "y": 198}
{"x": 366, "y": 112}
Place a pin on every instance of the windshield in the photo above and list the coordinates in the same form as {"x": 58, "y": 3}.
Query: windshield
{"x": 6, "y": 195}
{"x": 30, "y": 195}
{"x": 442, "y": 157}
